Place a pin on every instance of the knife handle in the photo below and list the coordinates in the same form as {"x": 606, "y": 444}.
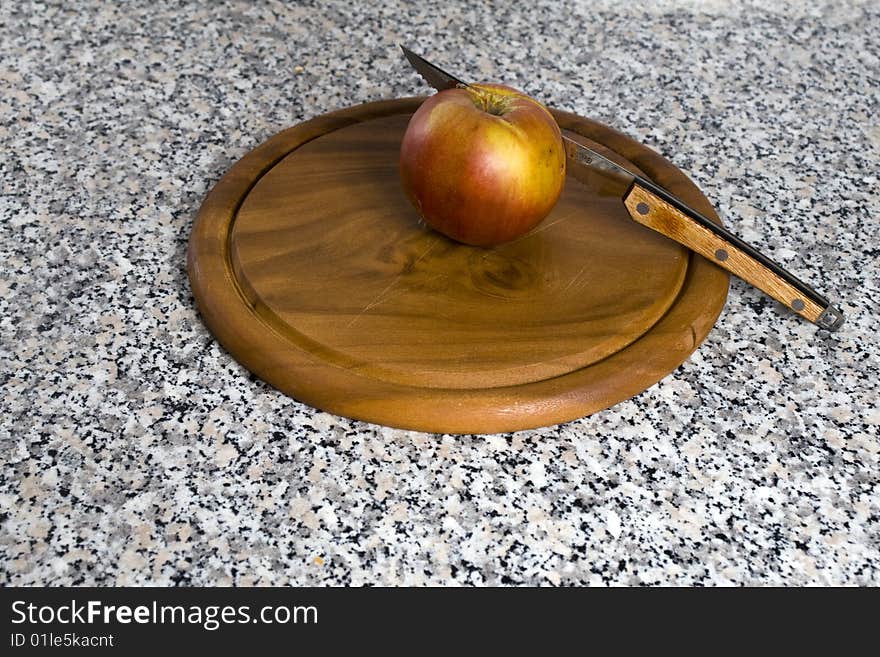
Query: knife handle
{"x": 648, "y": 207}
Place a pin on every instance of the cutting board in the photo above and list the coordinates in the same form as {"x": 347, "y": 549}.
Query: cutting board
{"x": 312, "y": 269}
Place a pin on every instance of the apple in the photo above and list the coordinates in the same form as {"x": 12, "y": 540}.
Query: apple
{"x": 482, "y": 164}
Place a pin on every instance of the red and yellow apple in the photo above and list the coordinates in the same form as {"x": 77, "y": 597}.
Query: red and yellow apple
{"x": 482, "y": 164}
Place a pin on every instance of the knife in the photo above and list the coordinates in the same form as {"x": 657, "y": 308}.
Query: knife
{"x": 654, "y": 207}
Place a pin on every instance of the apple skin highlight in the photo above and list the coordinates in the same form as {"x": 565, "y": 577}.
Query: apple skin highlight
{"x": 483, "y": 164}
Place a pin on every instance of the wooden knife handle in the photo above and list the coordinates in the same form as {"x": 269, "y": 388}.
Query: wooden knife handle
{"x": 649, "y": 209}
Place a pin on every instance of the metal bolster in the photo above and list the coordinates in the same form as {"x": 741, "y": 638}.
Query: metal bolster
{"x": 831, "y": 319}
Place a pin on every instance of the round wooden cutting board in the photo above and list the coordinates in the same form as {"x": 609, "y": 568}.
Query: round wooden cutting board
{"x": 310, "y": 266}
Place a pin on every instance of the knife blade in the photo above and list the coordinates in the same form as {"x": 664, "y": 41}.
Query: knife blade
{"x": 654, "y": 207}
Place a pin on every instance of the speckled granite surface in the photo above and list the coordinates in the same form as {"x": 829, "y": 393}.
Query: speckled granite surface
{"x": 135, "y": 450}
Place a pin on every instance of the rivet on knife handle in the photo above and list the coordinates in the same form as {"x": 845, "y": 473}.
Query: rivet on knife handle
{"x": 648, "y": 207}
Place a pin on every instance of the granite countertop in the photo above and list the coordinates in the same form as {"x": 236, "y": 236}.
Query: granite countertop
{"x": 137, "y": 451}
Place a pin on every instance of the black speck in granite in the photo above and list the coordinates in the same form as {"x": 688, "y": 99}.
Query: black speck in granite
{"x": 136, "y": 451}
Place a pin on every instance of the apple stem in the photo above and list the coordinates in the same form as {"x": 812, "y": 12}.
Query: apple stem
{"x": 489, "y": 102}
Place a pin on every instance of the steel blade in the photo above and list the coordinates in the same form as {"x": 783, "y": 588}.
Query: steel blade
{"x": 436, "y": 77}
{"x": 579, "y": 153}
